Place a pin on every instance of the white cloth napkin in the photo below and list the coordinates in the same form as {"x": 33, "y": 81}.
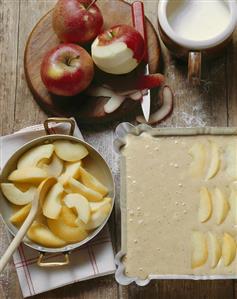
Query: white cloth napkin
{"x": 92, "y": 260}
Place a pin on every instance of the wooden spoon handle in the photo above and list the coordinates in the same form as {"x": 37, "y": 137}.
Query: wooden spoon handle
{"x": 138, "y": 17}
{"x": 19, "y": 236}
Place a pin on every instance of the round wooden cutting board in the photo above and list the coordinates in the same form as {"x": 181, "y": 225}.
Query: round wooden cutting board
{"x": 84, "y": 108}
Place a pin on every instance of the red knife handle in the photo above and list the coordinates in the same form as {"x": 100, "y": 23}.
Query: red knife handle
{"x": 138, "y": 18}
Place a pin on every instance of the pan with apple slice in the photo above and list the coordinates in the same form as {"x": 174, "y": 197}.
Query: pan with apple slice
{"x": 88, "y": 108}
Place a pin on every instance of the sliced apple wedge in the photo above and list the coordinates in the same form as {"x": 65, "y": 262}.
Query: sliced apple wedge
{"x": 198, "y": 153}
{"x": 72, "y": 170}
{"x": 75, "y": 186}
{"x": 54, "y": 168}
{"x": 214, "y": 249}
{"x": 228, "y": 249}
{"x": 214, "y": 161}
{"x": 98, "y": 217}
{"x": 95, "y": 206}
{"x": 91, "y": 182}
{"x": 205, "y": 206}
{"x": 66, "y": 232}
{"x": 20, "y": 216}
{"x": 233, "y": 204}
{"x": 32, "y": 175}
{"x": 68, "y": 216}
{"x": 52, "y": 204}
{"x": 231, "y": 160}
{"x": 69, "y": 151}
{"x": 40, "y": 234}
{"x": 34, "y": 155}
{"x": 16, "y": 196}
{"x": 199, "y": 249}
{"x": 221, "y": 205}
{"x": 81, "y": 205}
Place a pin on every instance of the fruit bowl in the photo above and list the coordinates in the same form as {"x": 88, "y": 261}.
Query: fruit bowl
{"x": 84, "y": 108}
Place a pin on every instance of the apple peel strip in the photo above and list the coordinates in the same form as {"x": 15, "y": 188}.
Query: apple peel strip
{"x": 164, "y": 111}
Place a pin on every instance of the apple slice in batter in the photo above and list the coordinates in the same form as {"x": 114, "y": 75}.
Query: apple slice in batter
{"x": 214, "y": 161}
{"x": 199, "y": 249}
{"x": 198, "y": 153}
{"x": 221, "y": 205}
{"x": 214, "y": 249}
{"x": 228, "y": 249}
{"x": 205, "y": 205}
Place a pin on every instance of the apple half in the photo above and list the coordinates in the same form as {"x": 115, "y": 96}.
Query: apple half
{"x": 205, "y": 205}
{"x": 33, "y": 156}
{"x": 228, "y": 249}
{"x": 32, "y": 175}
{"x": 74, "y": 186}
{"x": 198, "y": 154}
{"x": 221, "y": 205}
{"x": 40, "y": 234}
{"x": 70, "y": 151}
{"x": 80, "y": 204}
{"x": 214, "y": 249}
{"x": 16, "y": 196}
{"x": 199, "y": 249}
{"x": 52, "y": 203}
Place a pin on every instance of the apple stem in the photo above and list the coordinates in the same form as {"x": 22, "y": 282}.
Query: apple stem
{"x": 92, "y": 2}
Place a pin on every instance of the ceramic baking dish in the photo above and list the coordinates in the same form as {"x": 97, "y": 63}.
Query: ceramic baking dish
{"x": 121, "y": 132}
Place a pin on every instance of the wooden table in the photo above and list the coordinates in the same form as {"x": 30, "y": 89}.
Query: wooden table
{"x": 213, "y": 104}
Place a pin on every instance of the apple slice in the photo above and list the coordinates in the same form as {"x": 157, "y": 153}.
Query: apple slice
{"x": 215, "y": 249}
{"x": 69, "y": 151}
{"x": 32, "y": 175}
{"x": 52, "y": 204}
{"x": 95, "y": 206}
{"x": 164, "y": 111}
{"x": 233, "y": 204}
{"x": 66, "y": 232}
{"x": 40, "y": 234}
{"x": 98, "y": 217}
{"x": 67, "y": 215}
{"x": 231, "y": 160}
{"x": 75, "y": 186}
{"x": 54, "y": 168}
{"x": 34, "y": 155}
{"x": 228, "y": 249}
{"x": 199, "y": 249}
{"x": 214, "y": 161}
{"x": 16, "y": 196}
{"x": 221, "y": 205}
{"x": 72, "y": 170}
{"x": 20, "y": 216}
{"x": 205, "y": 206}
{"x": 91, "y": 182}
{"x": 198, "y": 153}
{"x": 80, "y": 203}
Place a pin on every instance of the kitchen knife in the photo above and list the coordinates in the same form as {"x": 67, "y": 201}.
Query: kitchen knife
{"x": 138, "y": 18}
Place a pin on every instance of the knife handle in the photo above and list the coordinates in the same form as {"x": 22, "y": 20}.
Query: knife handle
{"x": 138, "y": 18}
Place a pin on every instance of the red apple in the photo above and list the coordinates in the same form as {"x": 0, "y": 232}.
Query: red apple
{"x": 76, "y": 21}
{"x": 67, "y": 70}
{"x": 118, "y": 50}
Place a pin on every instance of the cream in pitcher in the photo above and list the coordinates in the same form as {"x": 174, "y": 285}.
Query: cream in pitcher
{"x": 198, "y": 19}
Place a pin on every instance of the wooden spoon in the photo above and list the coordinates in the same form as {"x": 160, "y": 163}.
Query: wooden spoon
{"x": 40, "y": 193}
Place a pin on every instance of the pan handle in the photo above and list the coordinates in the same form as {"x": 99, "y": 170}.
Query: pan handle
{"x": 59, "y": 120}
{"x": 41, "y": 263}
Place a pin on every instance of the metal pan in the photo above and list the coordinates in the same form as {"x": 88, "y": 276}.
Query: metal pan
{"x": 122, "y": 131}
{"x": 94, "y": 163}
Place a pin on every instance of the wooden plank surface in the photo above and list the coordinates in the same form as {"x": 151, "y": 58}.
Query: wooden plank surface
{"x": 214, "y": 103}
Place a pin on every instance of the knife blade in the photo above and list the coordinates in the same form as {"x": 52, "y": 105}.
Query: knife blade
{"x": 138, "y": 18}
